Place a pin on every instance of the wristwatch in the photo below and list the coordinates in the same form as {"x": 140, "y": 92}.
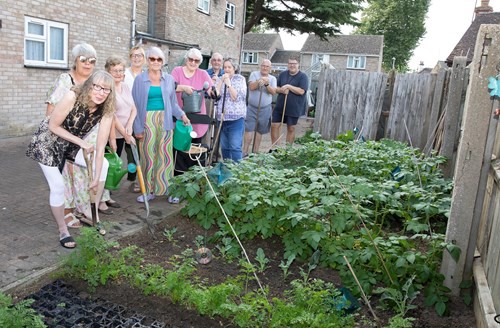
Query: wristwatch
{"x": 266, "y": 85}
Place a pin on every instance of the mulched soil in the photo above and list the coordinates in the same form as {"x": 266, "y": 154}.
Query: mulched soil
{"x": 160, "y": 250}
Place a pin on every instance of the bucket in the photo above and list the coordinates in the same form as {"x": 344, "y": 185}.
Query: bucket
{"x": 192, "y": 103}
{"x": 182, "y": 136}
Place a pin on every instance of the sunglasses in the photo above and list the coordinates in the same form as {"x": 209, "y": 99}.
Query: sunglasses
{"x": 90, "y": 60}
{"x": 153, "y": 59}
{"x": 192, "y": 60}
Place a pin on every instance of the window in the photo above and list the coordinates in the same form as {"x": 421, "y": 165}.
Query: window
{"x": 45, "y": 43}
{"x": 317, "y": 59}
{"x": 250, "y": 58}
{"x": 230, "y": 13}
{"x": 204, "y": 6}
{"x": 356, "y": 62}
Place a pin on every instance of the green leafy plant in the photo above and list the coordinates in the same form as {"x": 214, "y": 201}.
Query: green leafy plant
{"x": 285, "y": 266}
{"x": 400, "y": 299}
{"x": 169, "y": 233}
{"x": 18, "y": 315}
{"x": 262, "y": 260}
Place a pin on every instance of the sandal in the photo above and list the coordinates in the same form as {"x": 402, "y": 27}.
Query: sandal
{"x": 107, "y": 211}
{"x": 72, "y": 221}
{"x": 100, "y": 228}
{"x": 134, "y": 187}
{"x": 113, "y": 204}
{"x": 173, "y": 200}
{"x": 67, "y": 240}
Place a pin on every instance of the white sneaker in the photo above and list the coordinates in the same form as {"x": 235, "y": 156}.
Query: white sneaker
{"x": 173, "y": 200}
{"x": 140, "y": 199}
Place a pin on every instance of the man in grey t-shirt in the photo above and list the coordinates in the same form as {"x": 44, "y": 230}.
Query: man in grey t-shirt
{"x": 262, "y": 87}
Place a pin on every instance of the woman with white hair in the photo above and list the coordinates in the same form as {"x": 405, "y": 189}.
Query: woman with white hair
{"x": 155, "y": 101}
{"x": 84, "y": 62}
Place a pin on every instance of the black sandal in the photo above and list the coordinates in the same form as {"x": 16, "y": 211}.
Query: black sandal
{"x": 67, "y": 240}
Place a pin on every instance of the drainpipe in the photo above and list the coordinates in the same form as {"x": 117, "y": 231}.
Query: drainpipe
{"x": 133, "y": 24}
{"x": 242, "y": 30}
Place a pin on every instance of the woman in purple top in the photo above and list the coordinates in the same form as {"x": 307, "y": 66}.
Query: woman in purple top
{"x": 231, "y": 110}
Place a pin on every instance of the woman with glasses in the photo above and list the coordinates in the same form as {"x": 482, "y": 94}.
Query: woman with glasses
{"x": 84, "y": 61}
{"x": 74, "y": 116}
{"x": 154, "y": 98}
{"x": 137, "y": 59}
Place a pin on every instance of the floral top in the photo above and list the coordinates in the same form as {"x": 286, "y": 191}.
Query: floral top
{"x": 233, "y": 109}
{"x": 63, "y": 84}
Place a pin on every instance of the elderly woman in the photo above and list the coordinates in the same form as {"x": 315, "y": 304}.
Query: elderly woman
{"x": 137, "y": 58}
{"x": 75, "y": 115}
{"x": 231, "y": 110}
{"x": 154, "y": 98}
{"x": 85, "y": 58}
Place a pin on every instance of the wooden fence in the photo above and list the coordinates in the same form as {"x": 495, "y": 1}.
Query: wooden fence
{"x": 422, "y": 110}
{"x": 426, "y": 111}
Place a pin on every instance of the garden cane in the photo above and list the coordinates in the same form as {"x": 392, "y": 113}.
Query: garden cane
{"x": 140, "y": 177}
{"x": 257, "y": 120}
{"x": 281, "y": 124}
{"x": 216, "y": 143}
{"x": 89, "y": 160}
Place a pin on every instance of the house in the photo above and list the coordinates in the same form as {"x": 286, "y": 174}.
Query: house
{"x": 37, "y": 42}
{"x": 466, "y": 45}
{"x": 344, "y": 52}
{"x": 256, "y": 47}
{"x": 280, "y": 60}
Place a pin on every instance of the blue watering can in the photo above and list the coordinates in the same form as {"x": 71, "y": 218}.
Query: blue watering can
{"x": 115, "y": 171}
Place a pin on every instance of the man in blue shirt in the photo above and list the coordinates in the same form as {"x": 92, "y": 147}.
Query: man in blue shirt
{"x": 216, "y": 70}
{"x": 292, "y": 87}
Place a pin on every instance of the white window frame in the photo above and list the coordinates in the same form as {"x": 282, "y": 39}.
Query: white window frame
{"x": 356, "y": 62}
{"x": 46, "y": 40}
{"x": 230, "y": 15}
{"x": 204, "y": 6}
{"x": 316, "y": 58}
{"x": 250, "y": 58}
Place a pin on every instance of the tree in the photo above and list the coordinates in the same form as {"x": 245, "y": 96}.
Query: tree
{"x": 321, "y": 17}
{"x": 401, "y": 22}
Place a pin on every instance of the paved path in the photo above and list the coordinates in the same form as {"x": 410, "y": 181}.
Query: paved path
{"x": 29, "y": 245}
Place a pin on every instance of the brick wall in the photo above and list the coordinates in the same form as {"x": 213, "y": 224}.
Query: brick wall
{"x": 106, "y": 26}
{"x": 23, "y": 91}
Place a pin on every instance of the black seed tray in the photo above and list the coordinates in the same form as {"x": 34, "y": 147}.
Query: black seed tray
{"x": 61, "y": 307}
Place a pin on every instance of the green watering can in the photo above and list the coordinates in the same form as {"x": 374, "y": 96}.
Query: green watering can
{"x": 115, "y": 171}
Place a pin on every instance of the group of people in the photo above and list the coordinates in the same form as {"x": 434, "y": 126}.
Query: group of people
{"x": 121, "y": 107}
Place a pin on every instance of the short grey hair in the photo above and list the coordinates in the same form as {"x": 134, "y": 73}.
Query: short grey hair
{"x": 194, "y": 53}
{"x": 83, "y": 49}
{"x": 155, "y": 51}
{"x": 234, "y": 63}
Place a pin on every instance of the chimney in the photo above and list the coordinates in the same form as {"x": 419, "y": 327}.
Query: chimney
{"x": 485, "y": 8}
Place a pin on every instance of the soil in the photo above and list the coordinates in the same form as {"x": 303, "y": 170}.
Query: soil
{"x": 160, "y": 250}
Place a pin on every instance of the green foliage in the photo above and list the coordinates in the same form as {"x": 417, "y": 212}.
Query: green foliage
{"x": 323, "y": 18}
{"x": 285, "y": 267}
{"x": 95, "y": 261}
{"x": 18, "y": 315}
{"x": 311, "y": 304}
{"x": 400, "y": 298}
{"x": 340, "y": 198}
{"x": 401, "y": 22}
{"x": 262, "y": 260}
{"x": 169, "y": 233}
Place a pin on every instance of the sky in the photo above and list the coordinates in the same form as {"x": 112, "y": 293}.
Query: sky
{"x": 446, "y": 22}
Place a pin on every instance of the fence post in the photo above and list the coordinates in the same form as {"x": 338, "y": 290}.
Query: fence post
{"x": 453, "y": 113}
{"x": 463, "y": 224}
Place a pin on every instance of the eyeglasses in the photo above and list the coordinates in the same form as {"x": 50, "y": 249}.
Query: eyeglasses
{"x": 293, "y": 63}
{"x": 117, "y": 71}
{"x": 193, "y": 60}
{"x": 137, "y": 56}
{"x": 90, "y": 60}
{"x": 98, "y": 88}
{"x": 153, "y": 59}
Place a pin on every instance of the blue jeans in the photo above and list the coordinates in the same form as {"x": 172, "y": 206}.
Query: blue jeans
{"x": 231, "y": 139}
